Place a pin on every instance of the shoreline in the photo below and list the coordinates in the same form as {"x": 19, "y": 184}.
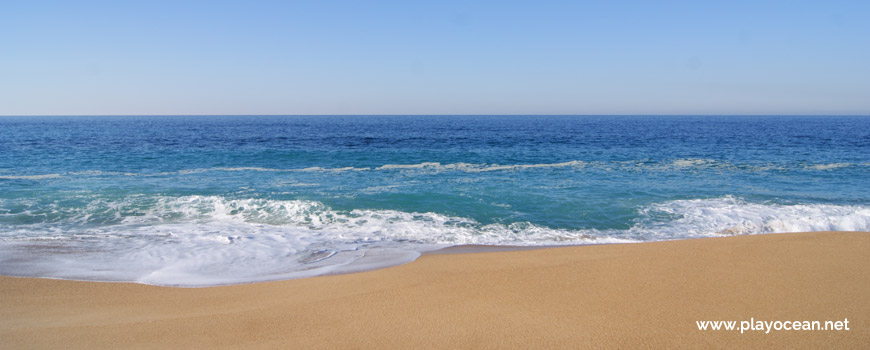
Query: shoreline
{"x": 479, "y": 248}
{"x": 609, "y": 295}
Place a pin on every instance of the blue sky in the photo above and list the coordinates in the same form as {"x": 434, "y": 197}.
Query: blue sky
{"x": 434, "y": 57}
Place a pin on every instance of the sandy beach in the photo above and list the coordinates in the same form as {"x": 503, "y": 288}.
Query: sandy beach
{"x": 646, "y": 295}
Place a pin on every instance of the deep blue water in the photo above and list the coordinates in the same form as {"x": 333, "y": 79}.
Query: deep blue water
{"x": 211, "y": 200}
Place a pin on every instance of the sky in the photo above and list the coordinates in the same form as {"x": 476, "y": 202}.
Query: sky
{"x": 434, "y": 57}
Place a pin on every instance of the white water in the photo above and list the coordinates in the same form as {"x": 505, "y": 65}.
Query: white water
{"x": 208, "y": 240}
{"x": 687, "y": 164}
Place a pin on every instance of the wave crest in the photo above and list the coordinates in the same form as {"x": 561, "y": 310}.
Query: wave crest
{"x": 730, "y": 215}
{"x": 681, "y": 164}
{"x": 209, "y": 240}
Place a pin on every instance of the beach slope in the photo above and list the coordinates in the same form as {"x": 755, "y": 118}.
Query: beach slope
{"x": 606, "y": 296}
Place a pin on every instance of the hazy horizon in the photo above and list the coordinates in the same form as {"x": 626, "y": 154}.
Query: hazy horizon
{"x": 435, "y": 115}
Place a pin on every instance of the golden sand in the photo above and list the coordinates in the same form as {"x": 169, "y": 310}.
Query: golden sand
{"x": 647, "y": 295}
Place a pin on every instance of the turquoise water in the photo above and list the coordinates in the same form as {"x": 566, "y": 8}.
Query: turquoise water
{"x": 217, "y": 200}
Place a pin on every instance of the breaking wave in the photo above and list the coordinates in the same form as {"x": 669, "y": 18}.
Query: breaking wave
{"x": 211, "y": 240}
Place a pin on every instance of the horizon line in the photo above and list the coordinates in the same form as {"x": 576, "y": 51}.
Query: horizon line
{"x": 453, "y": 114}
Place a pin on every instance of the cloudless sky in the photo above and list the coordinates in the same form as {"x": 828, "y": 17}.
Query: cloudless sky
{"x": 434, "y": 57}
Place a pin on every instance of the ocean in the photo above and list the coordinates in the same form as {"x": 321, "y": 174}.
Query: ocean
{"x": 212, "y": 200}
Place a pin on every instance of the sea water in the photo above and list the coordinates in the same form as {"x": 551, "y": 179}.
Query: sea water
{"x": 208, "y": 200}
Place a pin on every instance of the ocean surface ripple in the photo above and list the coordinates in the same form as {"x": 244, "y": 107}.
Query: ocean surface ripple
{"x": 198, "y": 201}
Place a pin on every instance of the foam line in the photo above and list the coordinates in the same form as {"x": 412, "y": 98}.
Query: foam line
{"x": 209, "y": 240}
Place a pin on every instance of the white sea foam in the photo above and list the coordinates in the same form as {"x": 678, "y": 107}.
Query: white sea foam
{"x": 29, "y": 177}
{"x": 245, "y": 168}
{"x": 682, "y": 164}
{"x": 408, "y": 166}
{"x": 692, "y": 162}
{"x": 257, "y": 169}
{"x": 101, "y": 173}
{"x": 829, "y": 166}
{"x": 209, "y": 240}
{"x": 479, "y": 167}
{"x": 729, "y": 216}
{"x": 333, "y": 170}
